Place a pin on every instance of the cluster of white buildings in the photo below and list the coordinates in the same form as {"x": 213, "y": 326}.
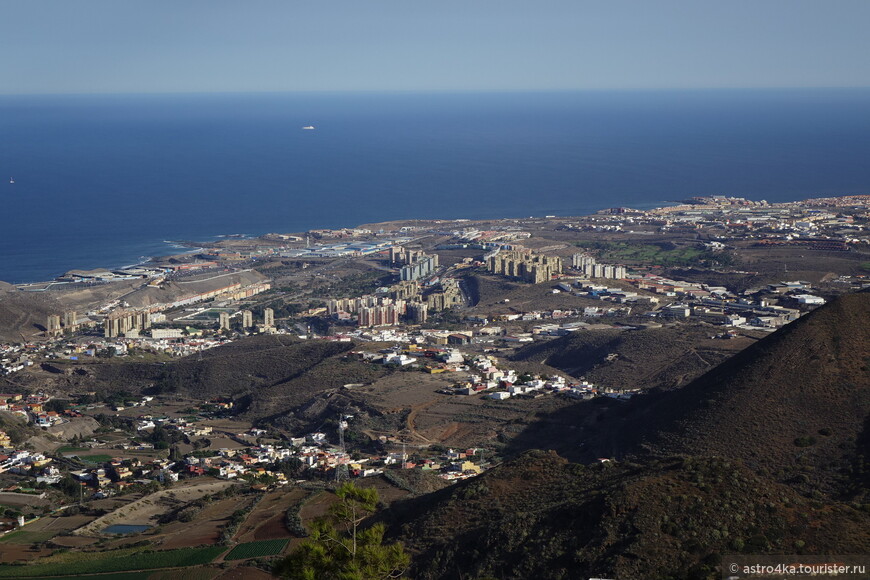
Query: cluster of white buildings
{"x": 678, "y": 288}
{"x": 447, "y": 359}
{"x": 532, "y": 387}
{"x": 756, "y": 309}
{"x": 14, "y": 358}
{"x": 590, "y": 268}
{"x": 501, "y": 384}
{"x": 343, "y": 249}
{"x": 21, "y": 461}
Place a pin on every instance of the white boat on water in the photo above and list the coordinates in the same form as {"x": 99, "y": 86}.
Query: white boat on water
{"x": 11, "y": 180}
{"x": 308, "y": 127}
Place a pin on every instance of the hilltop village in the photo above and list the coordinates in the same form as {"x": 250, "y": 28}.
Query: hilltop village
{"x": 405, "y": 347}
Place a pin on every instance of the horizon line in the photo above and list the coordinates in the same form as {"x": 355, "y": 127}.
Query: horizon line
{"x": 439, "y": 91}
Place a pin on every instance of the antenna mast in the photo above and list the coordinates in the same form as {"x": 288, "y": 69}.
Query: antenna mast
{"x": 341, "y": 473}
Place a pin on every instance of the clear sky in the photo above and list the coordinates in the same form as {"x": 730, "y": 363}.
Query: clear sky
{"x": 98, "y": 46}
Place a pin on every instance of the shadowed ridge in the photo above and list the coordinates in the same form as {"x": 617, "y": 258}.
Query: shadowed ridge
{"x": 539, "y": 516}
{"x": 793, "y": 405}
{"x": 798, "y": 398}
{"x": 761, "y": 439}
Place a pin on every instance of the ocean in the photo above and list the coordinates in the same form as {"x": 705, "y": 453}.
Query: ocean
{"x": 106, "y": 180}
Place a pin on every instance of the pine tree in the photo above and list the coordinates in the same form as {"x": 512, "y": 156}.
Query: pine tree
{"x": 340, "y": 549}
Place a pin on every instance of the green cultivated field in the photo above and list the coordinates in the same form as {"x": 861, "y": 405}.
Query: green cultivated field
{"x": 77, "y": 563}
{"x": 256, "y": 549}
{"x": 203, "y": 573}
{"x": 120, "y": 576}
{"x": 68, "y": 449}
{"x": 647, "y": 254}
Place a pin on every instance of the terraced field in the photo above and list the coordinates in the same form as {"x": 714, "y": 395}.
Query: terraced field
{"x": 257, "y": 549}
{"x": 73, "y": 564}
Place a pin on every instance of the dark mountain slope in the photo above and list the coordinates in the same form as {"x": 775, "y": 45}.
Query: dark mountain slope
{"x": 275, "y": 380}
{"x": 298, "y": 391}
{"x": 770, "y": 447}
{"x": 238, "y": 367}
{"x": 794, "y": 405}
{"x": 539, "y": 516}
{"x": 269, "y": 367}
{"x": 791, "y": 405}
{"x": 251, "y": 364}
{"x": 664, "y": 357}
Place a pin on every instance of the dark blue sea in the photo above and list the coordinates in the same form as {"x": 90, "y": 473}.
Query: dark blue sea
{"x": 104, "y": 180}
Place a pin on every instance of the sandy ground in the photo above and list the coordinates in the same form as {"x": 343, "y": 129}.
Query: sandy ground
{"x": 73, "y": 541}
{"x": 79, "y": 427}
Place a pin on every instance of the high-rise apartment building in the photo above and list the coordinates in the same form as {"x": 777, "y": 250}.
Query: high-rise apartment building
{"x": 52, "y": 325}
{"x": 69, "y": 319}
{"x": 120, "y": 322}
{"x": 534, "y": 268}
{"x": 591, "y": 268}
{"x": 419, "y": 312}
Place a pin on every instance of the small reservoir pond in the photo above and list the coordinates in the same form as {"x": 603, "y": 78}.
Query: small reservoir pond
{"x": 125, "y": 529}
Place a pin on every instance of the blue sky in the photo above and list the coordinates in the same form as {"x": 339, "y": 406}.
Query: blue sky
{"x": 119, "y": 46}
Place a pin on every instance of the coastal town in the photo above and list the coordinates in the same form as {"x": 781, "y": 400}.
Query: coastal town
{"x": 434, "y": 291}
{"x": 440, "y": 319}
{"x": 197, "y": 301}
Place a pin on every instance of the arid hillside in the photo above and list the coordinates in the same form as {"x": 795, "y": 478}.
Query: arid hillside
{"x": 793, "y": 406}
{"x": 764, "y": 454}
{"x": 540, "y": 516}
{"x": 23, "y": 314}
{"x": 654, "y": 356}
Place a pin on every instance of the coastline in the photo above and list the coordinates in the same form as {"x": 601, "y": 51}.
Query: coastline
{"x": 194, "y": 246}
{"x": 126, "y": 173}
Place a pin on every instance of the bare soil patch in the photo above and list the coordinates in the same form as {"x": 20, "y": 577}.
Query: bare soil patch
{"x": 222, "y": 442}
{"x": 267, "y": 520}
{"x": 454, "y": 420}
{"x": 317, "y": 506}
{"x": 59, "y": 524}
{"x": 387, "y": 492}
{"x": 22, "y": 499}
{"x": 15, "y": 552}
{"x": 205, "y": 529}
{"x": 73, "y": 541}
